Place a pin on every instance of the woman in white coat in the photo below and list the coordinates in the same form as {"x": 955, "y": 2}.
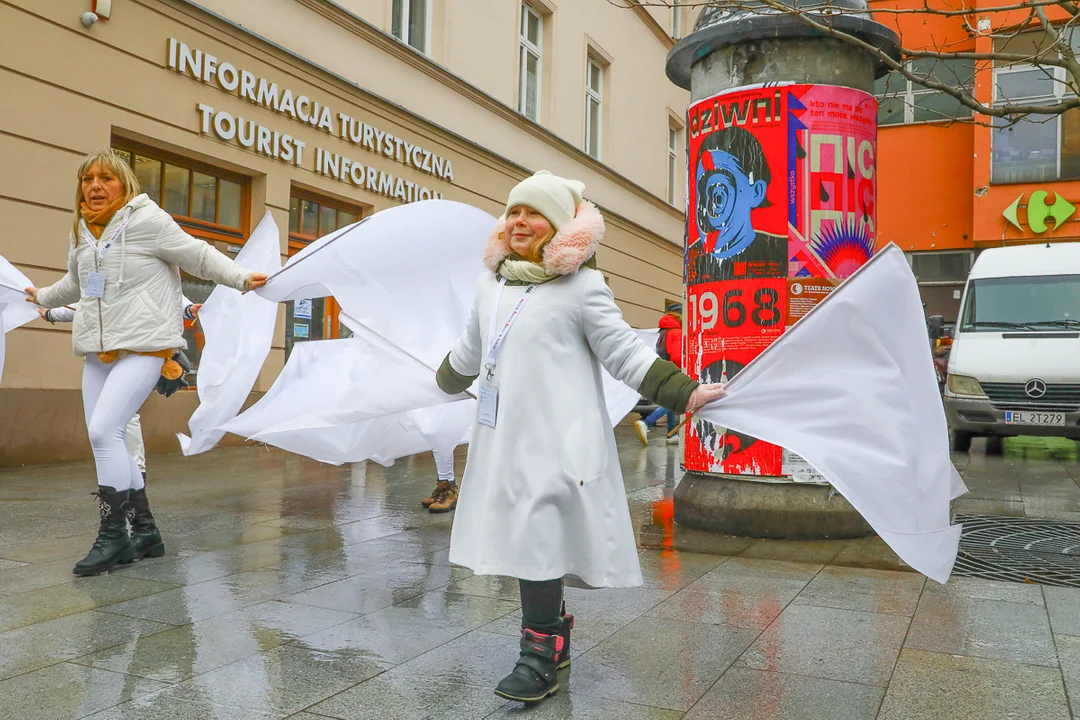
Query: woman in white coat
{"x": 542, "y": 496}
{"x": 123, "y": 276}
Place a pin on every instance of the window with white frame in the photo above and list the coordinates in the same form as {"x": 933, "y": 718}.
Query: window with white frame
{"x": 1037, "y": 148}
{"x": 411, "y": 23}
{"x": 676, "y": 19}
{"x": 594, "y": 109}
{"x": 530, "y": 62}
{"x": 674, "y": 143}
{"x": 901, "y": 101}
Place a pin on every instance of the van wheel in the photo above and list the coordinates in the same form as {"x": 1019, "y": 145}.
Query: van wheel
{"x": 961, "y": 441}
{"x": 995, "y": 446}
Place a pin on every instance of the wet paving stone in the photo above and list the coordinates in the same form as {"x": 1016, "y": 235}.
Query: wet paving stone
{"x": 878, "y": 591}
{"x": 68, "y": 691}
{"x": 396, "y": 696}
{"x": 830, "y": 643}
{"x": 931, "y": 686}
{"x": 36, "y": 606}
{"x": 743, "y": 694}
{"x": 983, "y": 628}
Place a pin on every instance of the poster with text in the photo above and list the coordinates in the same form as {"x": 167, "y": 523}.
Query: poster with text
{"x": 781, "y": 208}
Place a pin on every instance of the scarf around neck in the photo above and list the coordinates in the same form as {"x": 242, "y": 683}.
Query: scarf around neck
{"x": 96, "y": 220}
{"x": 524, "y": 271}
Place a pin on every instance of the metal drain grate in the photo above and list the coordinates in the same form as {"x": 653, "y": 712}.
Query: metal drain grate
{"x": 1019, "y": 550}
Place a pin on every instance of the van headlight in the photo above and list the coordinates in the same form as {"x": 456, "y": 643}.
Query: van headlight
{"x": 964, "y": 385}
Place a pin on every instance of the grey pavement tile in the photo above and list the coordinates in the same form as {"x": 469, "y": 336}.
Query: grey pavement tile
{"x": 870, "y": 552}
{"x": 67, "y": 691}
{"x": 396, "y": 696}
{"x": 495, "y": 586}
{"x": 375, "y": 590}
{"x": 9, "y": 564}
{"x": 156, "y": 707}
{"x": 744, "y": 602}
{"x": 880, "y": 591}
{"x": 821, "y": 552}
{"x": 660, "y": 663}
{"x": 982, "y": 589}
{"x": 178, "y": 654}
{"x": 932, "y": 686}
{"x": 1063, "y": 604}
{"x": 976, "y": 506}
{"x": 47, "y": 643}
{"x": 743, "y": 694}
{"x": 673, "y": 569}
{"x": 477, "y": 658}
{"x": 282, "y": 681}
{"x": 568, "y": 704}
{"x": 756, "y": 568}
{"x": 72, "y": 547}
{"x": 85, "y": 594}
{"x": 983, "y": 628}
{"x": 1068, "y": 649}
{"x": 203, "y": 601}
{"x": 24, "y": 576}
{"x": 399, "y": 633}
{"x": 202, "y": 567}
{"x": 847, "y": 645}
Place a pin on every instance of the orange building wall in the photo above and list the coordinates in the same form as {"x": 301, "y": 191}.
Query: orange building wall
{"x": 925, "y": 176}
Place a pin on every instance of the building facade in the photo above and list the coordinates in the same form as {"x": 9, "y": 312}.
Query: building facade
{"x": 952, "y": 183}
{"x": 320, "y": 113}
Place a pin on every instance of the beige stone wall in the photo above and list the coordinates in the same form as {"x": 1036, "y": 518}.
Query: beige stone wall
{"x": 68, "y": 90}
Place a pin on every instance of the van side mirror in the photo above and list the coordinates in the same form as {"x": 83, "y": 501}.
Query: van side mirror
{"x": 935, "y": 326}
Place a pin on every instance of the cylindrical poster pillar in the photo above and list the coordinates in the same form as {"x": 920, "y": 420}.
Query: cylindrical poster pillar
{"x": 782, "y": 201}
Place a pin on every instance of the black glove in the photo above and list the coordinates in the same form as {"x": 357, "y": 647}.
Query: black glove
{"x": 167, "y": 387}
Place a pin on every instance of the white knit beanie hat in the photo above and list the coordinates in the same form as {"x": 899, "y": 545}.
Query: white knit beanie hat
{"x": 556, "y": 198}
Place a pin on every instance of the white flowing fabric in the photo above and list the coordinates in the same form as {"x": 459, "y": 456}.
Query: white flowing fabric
{"x": 340, "y": 401}
{"x": 239, "y": 329}
{"x": 14, "y": 310}
{"x": 851, "y": 389}
{"x": 405, "y": 279}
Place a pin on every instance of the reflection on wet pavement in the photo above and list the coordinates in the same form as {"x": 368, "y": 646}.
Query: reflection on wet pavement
{"x": 294, "y": 589}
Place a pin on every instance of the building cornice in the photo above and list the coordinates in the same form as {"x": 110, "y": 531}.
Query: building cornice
{"x": 650, "y": 22}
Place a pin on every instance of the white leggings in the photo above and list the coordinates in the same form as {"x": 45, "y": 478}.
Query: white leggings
{"x": 112, "y": 394}
{"x": 444, "y": 464}
{"x": 133, "y": 439}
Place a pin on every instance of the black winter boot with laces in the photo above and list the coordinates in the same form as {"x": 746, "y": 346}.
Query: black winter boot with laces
{"x": 144, "y": 531}
{"x": 533, "y": 677}
{"x": 113, "y": 545}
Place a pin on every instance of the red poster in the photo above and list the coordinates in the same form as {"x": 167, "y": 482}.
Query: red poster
{"x": 782, "y": 184}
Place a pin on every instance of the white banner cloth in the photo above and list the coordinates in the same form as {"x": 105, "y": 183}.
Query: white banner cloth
{"x": 851, "y": 388}
{"x": 239, "y": 329}
{"x": 14, "y": 310}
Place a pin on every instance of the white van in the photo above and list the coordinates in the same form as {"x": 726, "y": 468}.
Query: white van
{"x": 1014, "y": 368}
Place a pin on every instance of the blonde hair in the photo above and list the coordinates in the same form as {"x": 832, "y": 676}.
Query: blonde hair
{"x": 115, "y": 164}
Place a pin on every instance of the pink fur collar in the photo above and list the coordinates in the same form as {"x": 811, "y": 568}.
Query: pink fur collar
{"x": 575, "y": 243}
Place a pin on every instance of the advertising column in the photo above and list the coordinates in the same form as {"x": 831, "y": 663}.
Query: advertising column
{"x": 781, "y": 208}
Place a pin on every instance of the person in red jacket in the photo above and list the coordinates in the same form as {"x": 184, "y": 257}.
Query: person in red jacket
{"x": 668, "y": 347}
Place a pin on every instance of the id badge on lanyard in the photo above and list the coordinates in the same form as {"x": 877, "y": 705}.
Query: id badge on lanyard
{"x": 488, "y": 405}
{"x": 95, "y": 281}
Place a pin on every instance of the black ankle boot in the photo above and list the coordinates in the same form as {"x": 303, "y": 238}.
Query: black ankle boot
{"x": 113, "y": 544}
{"x": 144, "y": 532}
{"x": 563, "y": 657}
{"x": 533, "y": 677}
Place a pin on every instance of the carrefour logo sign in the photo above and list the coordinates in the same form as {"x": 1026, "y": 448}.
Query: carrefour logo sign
{"x": 1038, "y": 211}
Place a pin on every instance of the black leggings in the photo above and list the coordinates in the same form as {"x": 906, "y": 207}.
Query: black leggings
{"x": 541, "y": 605}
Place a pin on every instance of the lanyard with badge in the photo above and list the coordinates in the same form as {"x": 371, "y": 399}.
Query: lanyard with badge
{"x": 95, "y": 281}
{"x": 489, "y": 394}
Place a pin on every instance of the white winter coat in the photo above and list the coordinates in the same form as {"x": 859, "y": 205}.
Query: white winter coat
{"x": 543, "y": 495}
{"x": 141, "y": 309}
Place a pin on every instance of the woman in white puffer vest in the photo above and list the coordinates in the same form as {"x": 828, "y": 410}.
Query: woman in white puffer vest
{"x": 124, "y": 279}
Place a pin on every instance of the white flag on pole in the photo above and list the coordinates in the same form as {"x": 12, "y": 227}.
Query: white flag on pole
{"x": 852, "y": 389}
{"x": 239, "y": 329}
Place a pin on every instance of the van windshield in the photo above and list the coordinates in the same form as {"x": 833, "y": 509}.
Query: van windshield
{"x": 1036, "y": 303}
